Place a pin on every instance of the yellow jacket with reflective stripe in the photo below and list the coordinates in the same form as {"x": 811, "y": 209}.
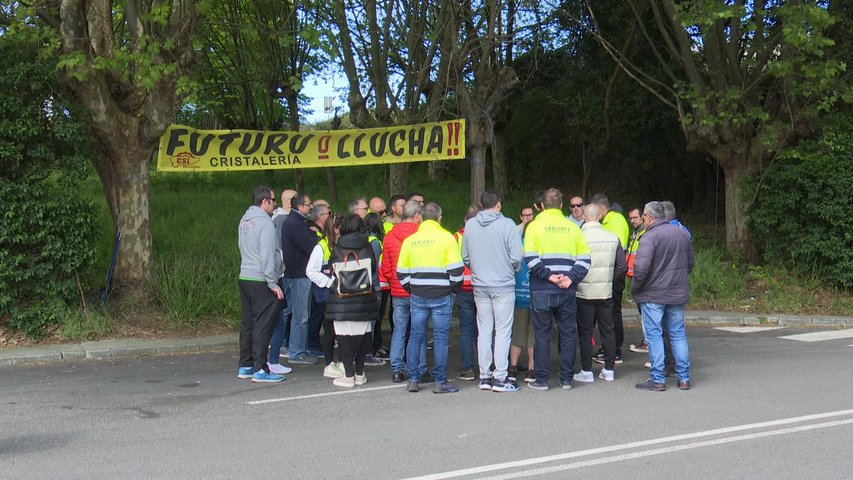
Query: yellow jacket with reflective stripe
{"x": 615, "y": 223}
{"x": 554, "y": 245}
{"x": 430, "y": 263}
{"x": 633, "y": 245}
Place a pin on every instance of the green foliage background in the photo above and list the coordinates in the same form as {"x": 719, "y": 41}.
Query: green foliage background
{"x": 802, "y": 212}
{"x": 47, "y": 232}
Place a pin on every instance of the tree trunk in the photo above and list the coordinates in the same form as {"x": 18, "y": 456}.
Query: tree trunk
{"x": 477, "y": 157}
{"x": 333, "y": 183}
{"x": 293, "y": 118}
{"x": 122, "y": 164}
{"x": 499, "y": 170}
{"x": 397, "y": 183}
{"x": 738, "y": 239}
{"x": 435, "y": 170}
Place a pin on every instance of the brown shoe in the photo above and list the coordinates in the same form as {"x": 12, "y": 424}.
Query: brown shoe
{"x": 651, "y": 385}
{"x": 685, "y": 385}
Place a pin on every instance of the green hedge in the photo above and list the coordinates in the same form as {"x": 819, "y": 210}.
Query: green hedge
{"x": 803, "y": 207}
{"x": 46, "y": 240}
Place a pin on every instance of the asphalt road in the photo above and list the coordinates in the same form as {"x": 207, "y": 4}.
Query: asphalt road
{"x": 761, "y": 407}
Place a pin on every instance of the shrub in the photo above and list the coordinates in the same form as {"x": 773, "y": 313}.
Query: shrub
{"x": 802, "y": 208}
{"x": 45, "y": 242}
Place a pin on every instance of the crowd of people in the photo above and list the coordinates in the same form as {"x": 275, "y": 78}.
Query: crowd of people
{"x": 511, "y": 284}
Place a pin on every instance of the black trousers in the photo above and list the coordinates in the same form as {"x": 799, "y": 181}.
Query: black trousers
{"x": 618, "y": 326}
{"x": 591, "y": 312}
{"x": 384, "y": 304}
{"x": 352, "y": 349}
{"x": 260, "y": 311}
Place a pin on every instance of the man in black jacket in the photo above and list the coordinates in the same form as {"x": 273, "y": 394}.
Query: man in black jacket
{"x": 297, "y": 241}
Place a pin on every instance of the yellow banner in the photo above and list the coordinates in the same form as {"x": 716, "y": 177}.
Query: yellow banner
{"x": 186, "y": 149}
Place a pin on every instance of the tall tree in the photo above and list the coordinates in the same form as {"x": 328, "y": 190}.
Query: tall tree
{"x": 387, "y": 51}
{"x": 486, "y": 79}
{"x": 254, "y": 57}
{"x": 123, "y": 62}
{"x": 746, "y": 79}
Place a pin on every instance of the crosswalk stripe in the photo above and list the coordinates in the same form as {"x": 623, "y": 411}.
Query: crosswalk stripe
{"x": 820, "y": 336}
{"x": 747, "y": 329}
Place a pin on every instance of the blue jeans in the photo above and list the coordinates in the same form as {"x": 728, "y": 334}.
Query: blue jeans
{"x": 281, "y": 331}
{"x": 440, "y": 310}
{"x": 467, "y": 312}
{"x": 402, "y": 319}
{"x": 656, "y": 317}
{"x": 315, "y": 321}
{"x": 300, "y": 302}
{"x": 559, "y": 307}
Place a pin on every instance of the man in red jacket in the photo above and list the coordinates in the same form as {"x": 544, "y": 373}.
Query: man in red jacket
{"x": 400, "y": 298}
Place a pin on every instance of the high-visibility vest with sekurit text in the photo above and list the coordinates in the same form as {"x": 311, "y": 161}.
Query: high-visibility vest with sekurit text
{"x": 430, "y": 263}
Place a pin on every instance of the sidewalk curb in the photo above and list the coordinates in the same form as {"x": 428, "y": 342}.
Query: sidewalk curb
{"x": 705, "y": 318}
{"x": 134, "y": 348}
{"x": 115, "y": 349}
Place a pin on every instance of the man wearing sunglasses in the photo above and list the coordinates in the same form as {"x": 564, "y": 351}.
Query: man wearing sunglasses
{"x": 576, "y": 206}
{"x": 260, "y": 294}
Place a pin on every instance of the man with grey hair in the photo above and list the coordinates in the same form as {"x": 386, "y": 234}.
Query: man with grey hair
{"x": 358, "y": 207}
{"x": 595, "y": 291}
{"x": 669, "y": 216}
{"x": 664, "y": 260}
{"x": 400, "y": 298}
{"x": 430, "y": 269}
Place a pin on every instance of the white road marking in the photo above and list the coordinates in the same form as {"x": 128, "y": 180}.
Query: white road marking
{"x": 326, "y": 394}
{"x": 820, "y": 336}
{"x": 673, "y": 449}
{"x": 643, "y": 443}
{"x": 747, "y": 329}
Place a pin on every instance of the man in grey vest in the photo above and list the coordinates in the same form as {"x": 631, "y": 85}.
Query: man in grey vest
{"x": 595, "y": 293}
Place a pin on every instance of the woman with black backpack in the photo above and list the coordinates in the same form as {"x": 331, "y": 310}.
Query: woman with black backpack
{"x": 352, "y": 304}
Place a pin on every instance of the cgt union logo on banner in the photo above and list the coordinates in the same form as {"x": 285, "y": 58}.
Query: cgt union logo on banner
{"x": 185, "y": 160}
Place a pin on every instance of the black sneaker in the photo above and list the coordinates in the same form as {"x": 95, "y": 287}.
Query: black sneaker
{"x": 485, "y": 384}
{"x": 651, "y": 386}
{"x": 397, "y": 376}
{"x": 512, "y": 374}
{"x": 538, "y": 385}
{"x": 465, "y": 374}
{"x": 382, "y": 354}
{"x": 412, "y": 387}
{"x": 426, "y": 378}
{"x": 445, "y": 387}
{"x": 599, "y": 356}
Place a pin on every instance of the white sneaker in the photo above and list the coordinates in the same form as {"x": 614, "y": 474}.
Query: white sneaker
{"x": 333, "y": 371}
{"x": 347, "y": 382}
{"x": 607, "y": 375}
{"x": 279, "y": 369}
{"x": 360, "y": 379}
{"x": 584, "y": 376}
{"x": 648, "y": 364}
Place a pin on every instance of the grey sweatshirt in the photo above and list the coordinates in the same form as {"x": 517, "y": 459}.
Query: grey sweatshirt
{"x": 491, "y": 248}
{"x": 259, "y": 258}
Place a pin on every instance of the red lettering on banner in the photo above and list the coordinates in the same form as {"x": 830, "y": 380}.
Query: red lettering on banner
{"x": 323, "y": 147}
